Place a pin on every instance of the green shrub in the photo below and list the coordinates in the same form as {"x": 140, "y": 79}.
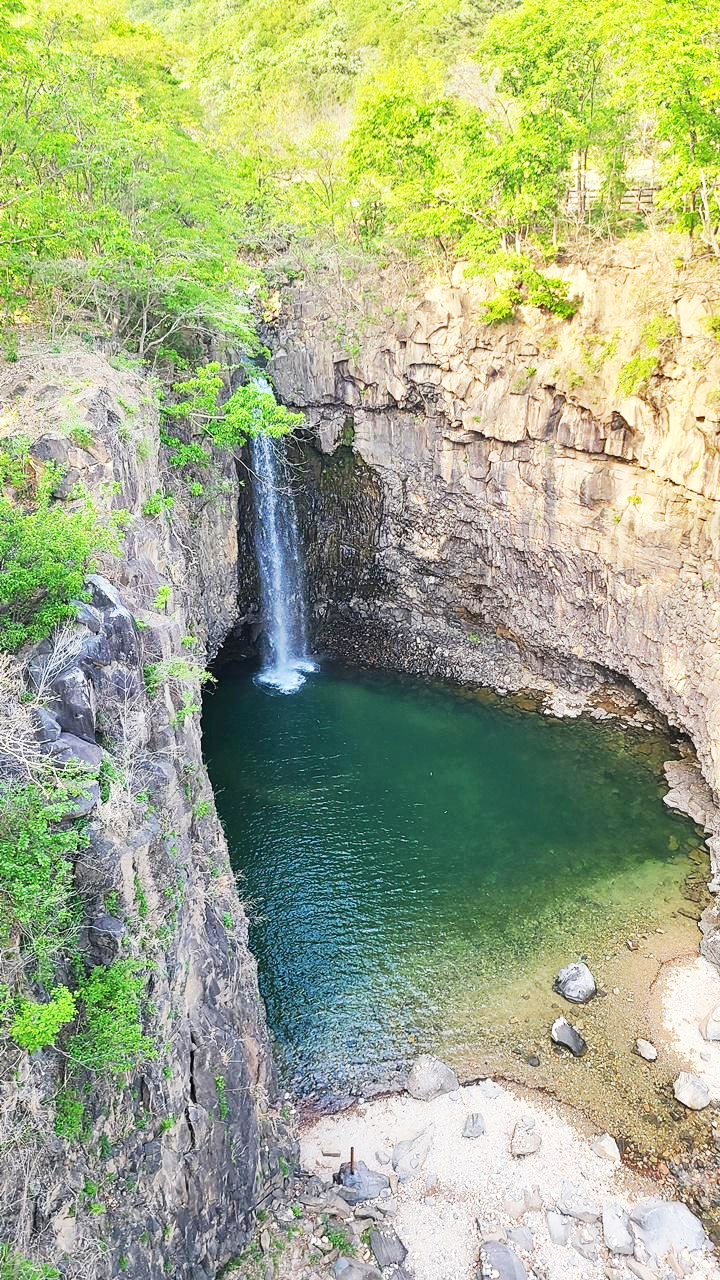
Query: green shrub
{"x": 69, "y": 1115}
{"x": 177, "y": 670}
{"x": 13, "y": 1266}
{"x": 111, "y": 1036}
{"x": 157, "y": 504}
{"x": 47, "y": 548}
{"x": 36, "y": 1025}
{"x": 636, "y": 374}
{"x": 36, "y": 884}
{"x": 712, "y": 324}
{"x": 502, "y": 307}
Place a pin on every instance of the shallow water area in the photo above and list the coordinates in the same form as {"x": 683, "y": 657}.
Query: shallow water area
{"x": 419, "y": 862}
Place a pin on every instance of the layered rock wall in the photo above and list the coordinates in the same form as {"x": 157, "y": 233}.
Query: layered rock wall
{"x": 519, "y": 520}
{"x": 170, "y": 1159}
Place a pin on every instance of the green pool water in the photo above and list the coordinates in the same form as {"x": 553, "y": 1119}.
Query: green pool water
{"x": 416, "y": 860}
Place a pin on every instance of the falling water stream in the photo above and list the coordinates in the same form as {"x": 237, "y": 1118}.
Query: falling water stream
{"x": 286, "y": 660}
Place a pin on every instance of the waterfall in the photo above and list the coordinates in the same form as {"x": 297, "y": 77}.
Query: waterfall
{"x": 282, "y": 588}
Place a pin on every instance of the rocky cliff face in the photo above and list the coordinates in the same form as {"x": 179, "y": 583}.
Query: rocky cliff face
{"x": 514, "y": 517}
{"x": 169, "y": 1161}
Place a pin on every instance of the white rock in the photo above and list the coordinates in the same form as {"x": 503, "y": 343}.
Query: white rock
{"x": 574, "y": 1204}
{"x": 489, "y": 1089}
{"x": 644, "y": 1049}
{"x": 558, "y": 1227}
{"x": 691, "y": 1091}
{"x": 616, "y": 1230}
{"x": 525, "y": 1139}
{"x": 576, "y": 983}
{"x": 606, "y": 1147}
{"x": 429, "y": 1077}
{"x": 710, "y": 1025}
{"x": 661, "y": 1225}
{"x": 409, "y": 1156}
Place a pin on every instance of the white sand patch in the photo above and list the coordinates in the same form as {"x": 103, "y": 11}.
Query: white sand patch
{"x": 466, "y": 1179}
{"x": 690, "y": 990}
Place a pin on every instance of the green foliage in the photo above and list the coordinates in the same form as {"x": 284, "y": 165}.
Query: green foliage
{"x": 501, "y": 308}
{"x": 47, "y": 547}
{"x": 36, "y": 885}
{"x": 713, "y": 325}
{"x": 13, "y": 1266}
{"x": 657, "y": 330}
{"x": 175, "y": 670}
{"x": 69, "y": 1115}
{"x": 249, "y": 411}
{"x": 116, "y": 204}
{"x": 635, "y": 375}
{"x": 157, "y": 504}
{"x": 36, "y": 1025}
{"x": 162, "y": 598}
{"x": 111, "y": 1036}
{"x": 222, "y": 1103}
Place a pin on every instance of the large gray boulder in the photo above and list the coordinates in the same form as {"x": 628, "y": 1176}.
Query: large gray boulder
{"x": 662, "y": 1225}
{"x": 361, "y": 1184}
{"x": 499, "y": 1262}
{"x": 429, "y": 1077}
{"x": 576, "y": 983}
{"x": 353, "y": 1269}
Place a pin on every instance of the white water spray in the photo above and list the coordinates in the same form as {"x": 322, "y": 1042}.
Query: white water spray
{"x": 282, "y": 587}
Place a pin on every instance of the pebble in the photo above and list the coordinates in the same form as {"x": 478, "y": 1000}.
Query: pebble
{"x": 606, "y": 1147}
{"x": 558, "y": 1227}
{"x": 564, "y": 1034}
{"x": 474, "y": 1126}
{"x": 644, "y": 1049}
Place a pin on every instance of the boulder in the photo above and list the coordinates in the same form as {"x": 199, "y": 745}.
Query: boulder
{"x": 575, "y": 983}
{"x": 644, "y": 1049}
{"x": 573, "y": 1203}
{"x": 408, "y": 1157}
{"x": 499, "y": 1262}
{"x": 68, "y": 748}
{"x": 564, "y": 1034}
{"x": 522, "y": 1238}
{"x": 353, "y": 1269}
{"x": 616, "y": 1231}
{"x": 525, "y": 1138}
{"x": 105, "y": 938}
{"x": 387, "y": 1247}
{"x": 363, "y": 1184}
{"x": 606, "y": 1147}
{"x": 710, "y": 1025}
{"x": 663, "y": 1225}
{"x": 429, "y": 1077}
{"x": 691, "y": 1091}
{"x": 474, "y": 1126}
{"x": 558, "y": 1227}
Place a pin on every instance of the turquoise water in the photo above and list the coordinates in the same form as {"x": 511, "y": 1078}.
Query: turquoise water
{"x": 414, "y": 858}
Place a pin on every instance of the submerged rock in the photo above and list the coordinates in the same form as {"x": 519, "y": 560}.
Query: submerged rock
{"x": 691, "y": 1091}
{"x": 564, "y": 1034}
{"x": 616, "y": 1231}
{"x": 644, "y": 1049}
{"x": 499, "y": 1262}
{"x": 429, "y": 1077}
{"x": 474, "y": 1126}
{"x": 576, "y": 983}
{"x": 363, "y": 1184}
{"x": 525, "y": 1139}
{"x": 662, "y": 1225}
